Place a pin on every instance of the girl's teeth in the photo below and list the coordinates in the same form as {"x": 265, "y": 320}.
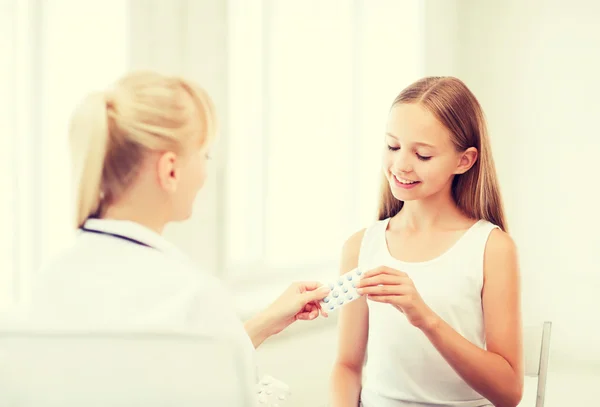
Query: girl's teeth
{"x": 402, "y": 181}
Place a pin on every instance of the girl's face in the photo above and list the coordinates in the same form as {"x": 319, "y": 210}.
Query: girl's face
{"x": 420, "y": 159}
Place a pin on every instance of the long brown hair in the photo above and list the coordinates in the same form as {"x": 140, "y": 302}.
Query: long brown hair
{"x": 476, "y": 192}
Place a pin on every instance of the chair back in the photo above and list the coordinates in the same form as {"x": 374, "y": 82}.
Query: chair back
{"x": 121, "y": 368}
{"x": 536, "y": 341}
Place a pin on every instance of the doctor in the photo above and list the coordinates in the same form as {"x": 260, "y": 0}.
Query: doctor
{"x": 140, "y": 155}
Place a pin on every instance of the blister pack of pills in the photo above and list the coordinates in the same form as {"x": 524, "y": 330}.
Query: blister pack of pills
{"x": 343, "y": 291}
{"x": 272, "y": 392}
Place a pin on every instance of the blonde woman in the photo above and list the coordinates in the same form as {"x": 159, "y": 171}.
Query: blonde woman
{"x": 140, "y": 153}
{"x": 438, "y": 322}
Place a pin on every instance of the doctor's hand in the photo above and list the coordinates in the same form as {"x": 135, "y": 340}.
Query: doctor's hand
{"x": 394, "y": 287}
{"x": 300, "y": 301}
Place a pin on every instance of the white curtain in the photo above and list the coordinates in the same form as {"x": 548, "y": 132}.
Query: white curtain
{"x": 51, "y": 54}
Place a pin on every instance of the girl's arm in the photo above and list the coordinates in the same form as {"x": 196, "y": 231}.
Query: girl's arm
{"x": 496, "y": 373}
{"x": 353, "y": 329}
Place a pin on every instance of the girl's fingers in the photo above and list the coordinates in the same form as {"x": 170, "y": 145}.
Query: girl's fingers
{"x": 381, "y": 290}
{"x": 380, "y": 279}
{"x": 384, "y": 270}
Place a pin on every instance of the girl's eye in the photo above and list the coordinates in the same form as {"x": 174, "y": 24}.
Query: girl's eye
{"x": 419, "y": 156}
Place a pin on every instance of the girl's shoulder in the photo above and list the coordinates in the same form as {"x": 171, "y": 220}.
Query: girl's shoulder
{"x": 499, "y": 242}
{"x": 351, "y": 247}
{"x": 354, "y": 242}
{"x": 363, "y": 241}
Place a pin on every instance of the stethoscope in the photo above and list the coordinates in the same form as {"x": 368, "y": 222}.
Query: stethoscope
{"x": 116, "y": 236}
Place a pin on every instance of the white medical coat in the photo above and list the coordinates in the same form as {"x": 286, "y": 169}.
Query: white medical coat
{"x": 104, "y": 280}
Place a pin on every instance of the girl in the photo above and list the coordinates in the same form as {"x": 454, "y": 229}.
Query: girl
{"x": 140, "y": 154}
{"x": 439, "y": 318}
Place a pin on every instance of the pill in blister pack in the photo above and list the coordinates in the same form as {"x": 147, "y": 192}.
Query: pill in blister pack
{"x": 272, "y": 392}
{"x": 343, "y": 291}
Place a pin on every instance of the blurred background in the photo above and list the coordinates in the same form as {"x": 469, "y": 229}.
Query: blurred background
{"x": 303, "y": 90}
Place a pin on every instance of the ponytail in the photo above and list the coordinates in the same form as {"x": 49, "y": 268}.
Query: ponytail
{"x": 110, "y": 134}
{"x": 89, "y": 134}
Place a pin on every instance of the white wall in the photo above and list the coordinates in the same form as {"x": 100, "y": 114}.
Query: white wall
{"x": 440, "y": 33}
{"x": 534, "y": 67}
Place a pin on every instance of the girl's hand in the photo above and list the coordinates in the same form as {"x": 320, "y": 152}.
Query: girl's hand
{"x": 394, "y": 287}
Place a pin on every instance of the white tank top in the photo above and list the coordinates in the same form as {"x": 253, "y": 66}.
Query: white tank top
{"x": 403, "y": 368}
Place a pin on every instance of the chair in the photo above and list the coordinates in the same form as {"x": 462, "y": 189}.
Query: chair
{"x": 121, "y": 368}
{"x": 536, "y": 356}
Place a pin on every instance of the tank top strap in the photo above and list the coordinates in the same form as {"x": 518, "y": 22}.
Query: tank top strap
{"x": 472, "y": 245}
{"x": 480, "y": 233}
{"x": 373, "y": 242}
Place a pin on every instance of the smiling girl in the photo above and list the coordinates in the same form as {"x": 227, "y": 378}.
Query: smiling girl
{"x": 440, "y": 315}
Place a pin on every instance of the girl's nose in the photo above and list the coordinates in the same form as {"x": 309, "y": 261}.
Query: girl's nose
{"x": 402, "y": 164}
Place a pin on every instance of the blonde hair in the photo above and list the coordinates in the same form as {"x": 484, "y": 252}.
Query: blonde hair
{"x": 475, "y": 192}
{"x": 111, "y": 132}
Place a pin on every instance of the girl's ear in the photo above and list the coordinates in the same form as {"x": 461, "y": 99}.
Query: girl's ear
{"x": 467, "y": 159}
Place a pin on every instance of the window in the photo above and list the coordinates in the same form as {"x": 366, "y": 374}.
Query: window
{"x": 17, "y": 141}
{"x": 310, "y": 86}
{"x": 51, "y": 53}
{"x": 7, "y": 127}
